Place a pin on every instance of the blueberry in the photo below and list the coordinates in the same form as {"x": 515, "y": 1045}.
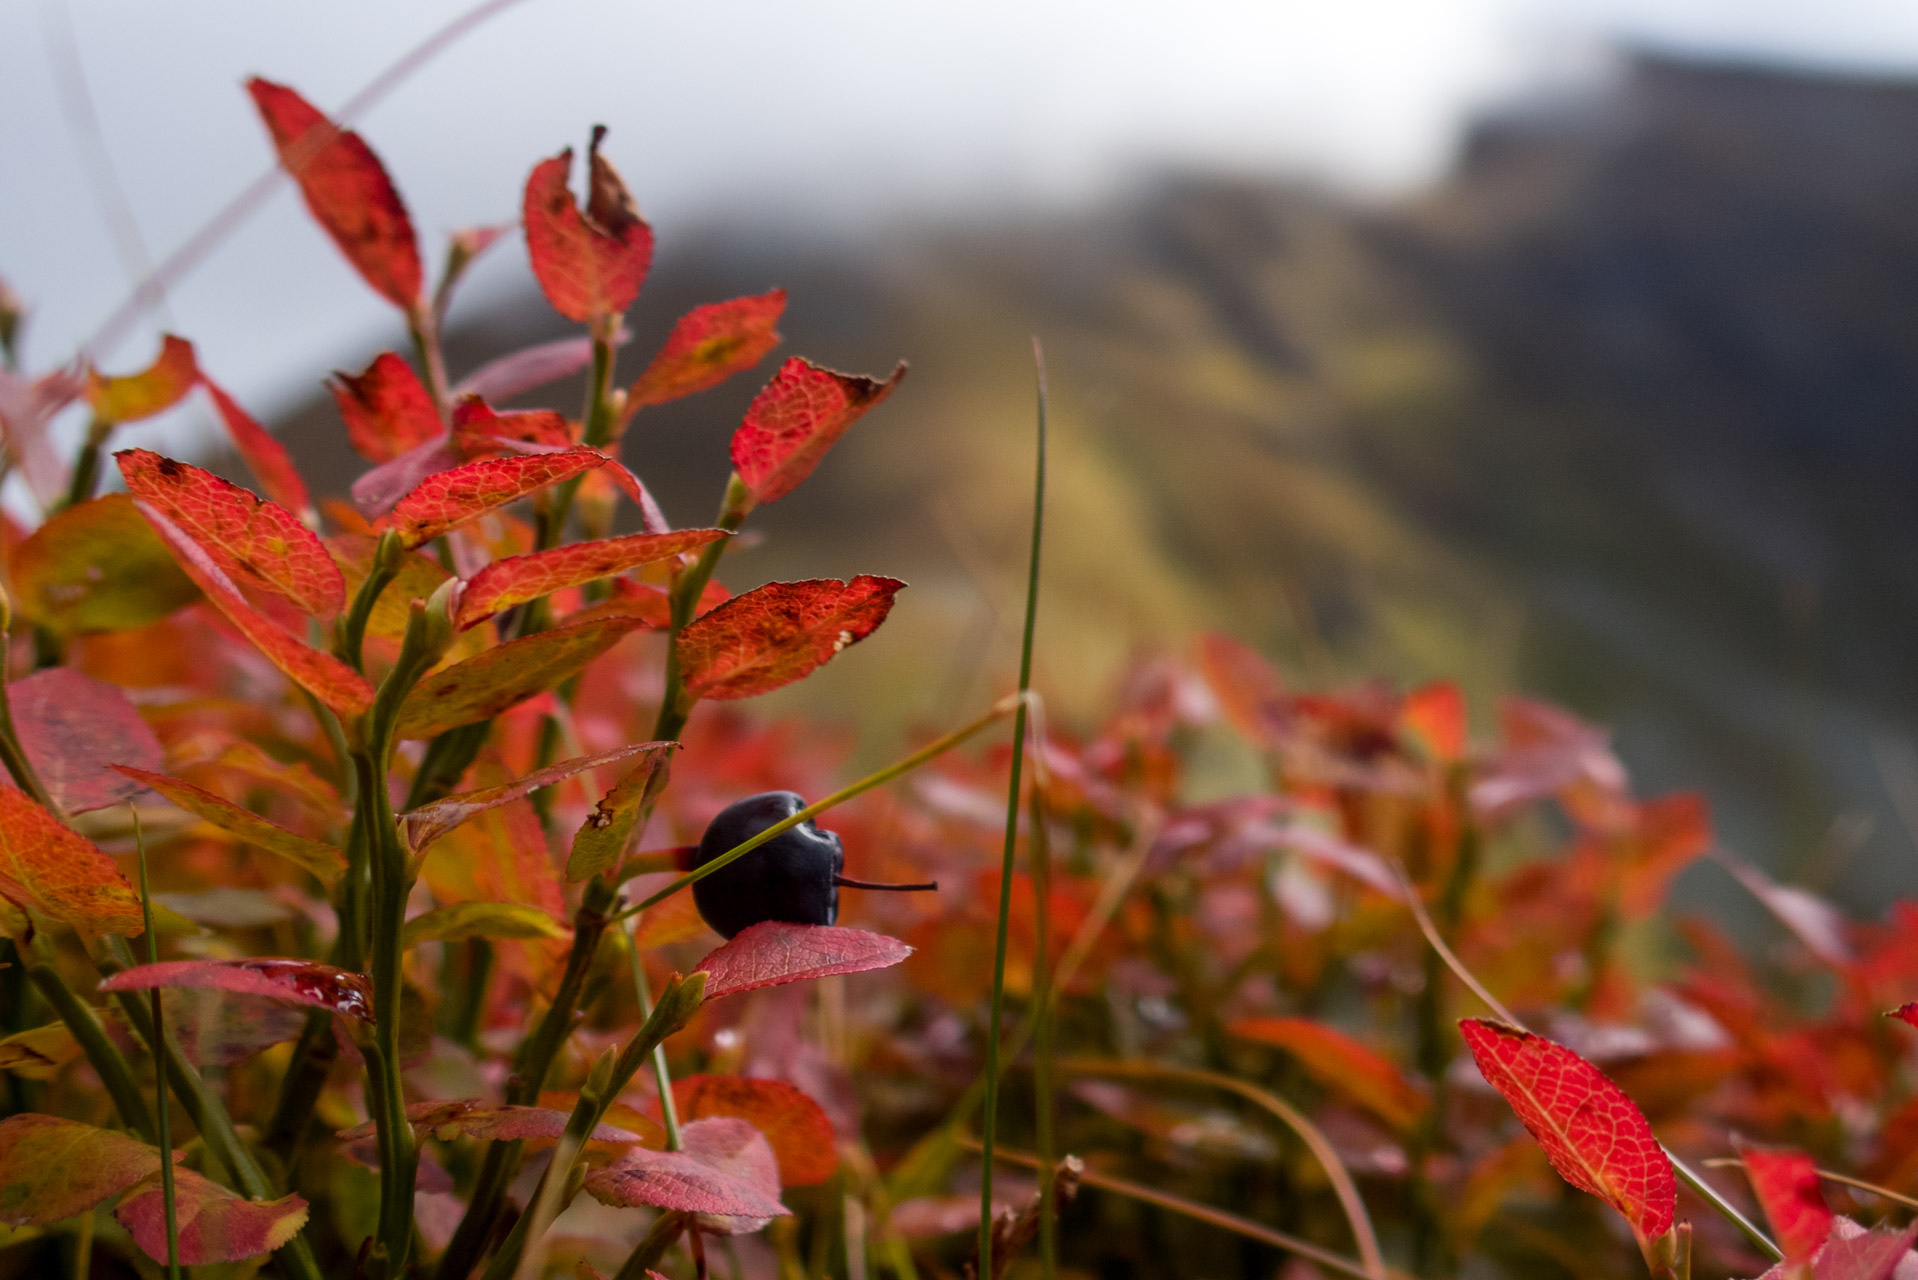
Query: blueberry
{"x": 794, "y": 877}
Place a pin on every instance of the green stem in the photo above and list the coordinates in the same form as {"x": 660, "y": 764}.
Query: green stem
{"x": 12, "y": 754}
{"x": 647, "y": 1253}
{"x": 989, "y": 1128}
{"x": 208, "y": 1114}
{"x": 86, "y": 468}
{"x": 600, "y": 421}
{"x": 428, "y": 632}
{"x": 677, "y": 1003}
{"x": 1724, "y": 1208}
{"x": 107, "y": 1061}
{"x": 388, "y": 557}
{"x": 161, "y": 1110}
{"x": 662, "y": 1074}
{"x": 422, "y": 324}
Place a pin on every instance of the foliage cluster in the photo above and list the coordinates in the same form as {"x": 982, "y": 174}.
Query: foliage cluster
{"x": 422, "y": 991}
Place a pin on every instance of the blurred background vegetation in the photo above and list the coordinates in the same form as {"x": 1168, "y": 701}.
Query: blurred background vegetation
{"x": 1620, "y": 412}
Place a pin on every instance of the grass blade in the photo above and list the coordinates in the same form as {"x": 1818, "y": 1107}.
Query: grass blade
{"x": 990, "y": 1121}
{"x": 162, "y": 1120}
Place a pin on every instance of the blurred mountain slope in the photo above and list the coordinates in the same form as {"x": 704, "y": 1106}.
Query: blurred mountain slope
{"x": 1621, "y": 413}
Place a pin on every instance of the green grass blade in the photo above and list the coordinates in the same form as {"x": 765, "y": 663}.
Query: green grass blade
{"x": 163, "y": 1122}
{"x": 990, "y": 1123}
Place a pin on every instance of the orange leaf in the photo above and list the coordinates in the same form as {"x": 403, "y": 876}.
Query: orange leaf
{"x": 265, "y": 456}
{"x": 322, "y": 860}
{"x": 387, "y": 409}
{"x": 253, "y": 541}
{"x": 1786, "y": 1184}
{"x": 448, "y": 499}
{"x": 800, "y": 1134}
{"x": 775, "y": 634}
{"x": 708, "y": 345}
{"x": 793, "y": 421}
{"x": 590, "y": 265}
{"x": 1248, "y": 689}
{"x": 517, "y": 579}
{"x": 488, "y": 683}
{"x": 97, "y": 566}
{"x": 347, "y": 191}
{"x": 214, "y": 1224}
{"x": 1435, "y": 715}
{"x": 1593, "y": 1134}
{"x": 1339, "y": 1062}
{"x": 52, "y": 1168}
{"x": 159, "y": 386}
{"x": 48, "y": 868}
{"x": 324, "y": 676}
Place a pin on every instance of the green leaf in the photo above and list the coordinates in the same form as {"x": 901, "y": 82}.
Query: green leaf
{"x": 98, "y": 566}
{"x": 479, "y": 920}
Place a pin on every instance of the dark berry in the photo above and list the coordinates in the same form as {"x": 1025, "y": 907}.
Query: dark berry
{"x": 794, "y": 877}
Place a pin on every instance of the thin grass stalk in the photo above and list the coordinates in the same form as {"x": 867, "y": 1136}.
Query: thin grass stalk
{"x": 1320, "y": 1146}
{"x": 989, "y": 1129}
{"x": 1197, "y": 1212}
{"x": 161, "y": 1111}
{"x": 1842, "y": 1179}
{"x": 1044, "y": 1102}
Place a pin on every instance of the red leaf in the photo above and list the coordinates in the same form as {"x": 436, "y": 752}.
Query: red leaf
{"x": 215, "y": 1225}
{"x": 708, "y": 345}
{"x": 1339, "y": 1062}
{"x": 489, "y": 682}
{"x": 523, "y": 370}
{"x": 52, "y": 1168}
{"x": 589, "y": 265}
{"x": 692, "y": 1180}
{"x": 517, "y": 579}
{"x": 796, "y": 1127}
{"x": 1593, "y": 1134}
{"x": 387, "y": 409}
{"x": 159, "y": 386}
{"x": 795, "y": 419}
{"x": 491, "y": 1121}
{"x": 1786, "y": 1184}
{"x": 479, "y": 429}
{"x": 265, "y": 456}
{"x": 1853, "y": 1253}
{"x": 71, "y": 727}
{"x": 324, "y": 676}
{"x": 49, "y": 868}
{"x": 774, "y": 952}
{"x": 322, "y": 860}
{"x": 449, "y": 499}
{"x": 347, "y": 190}
{"x": 775, "y": 634}
{"x": 1907, "y": 1013}
{"x": 1815, "y": 922}
{"x": 306, "y": 982}
{"x": 255, "y": 542}
{"x": 422, "y": 826}
{"x": 375, "y": 492}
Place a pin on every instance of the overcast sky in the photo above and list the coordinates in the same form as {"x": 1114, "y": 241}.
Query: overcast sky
{"x": 848, "y": 109}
